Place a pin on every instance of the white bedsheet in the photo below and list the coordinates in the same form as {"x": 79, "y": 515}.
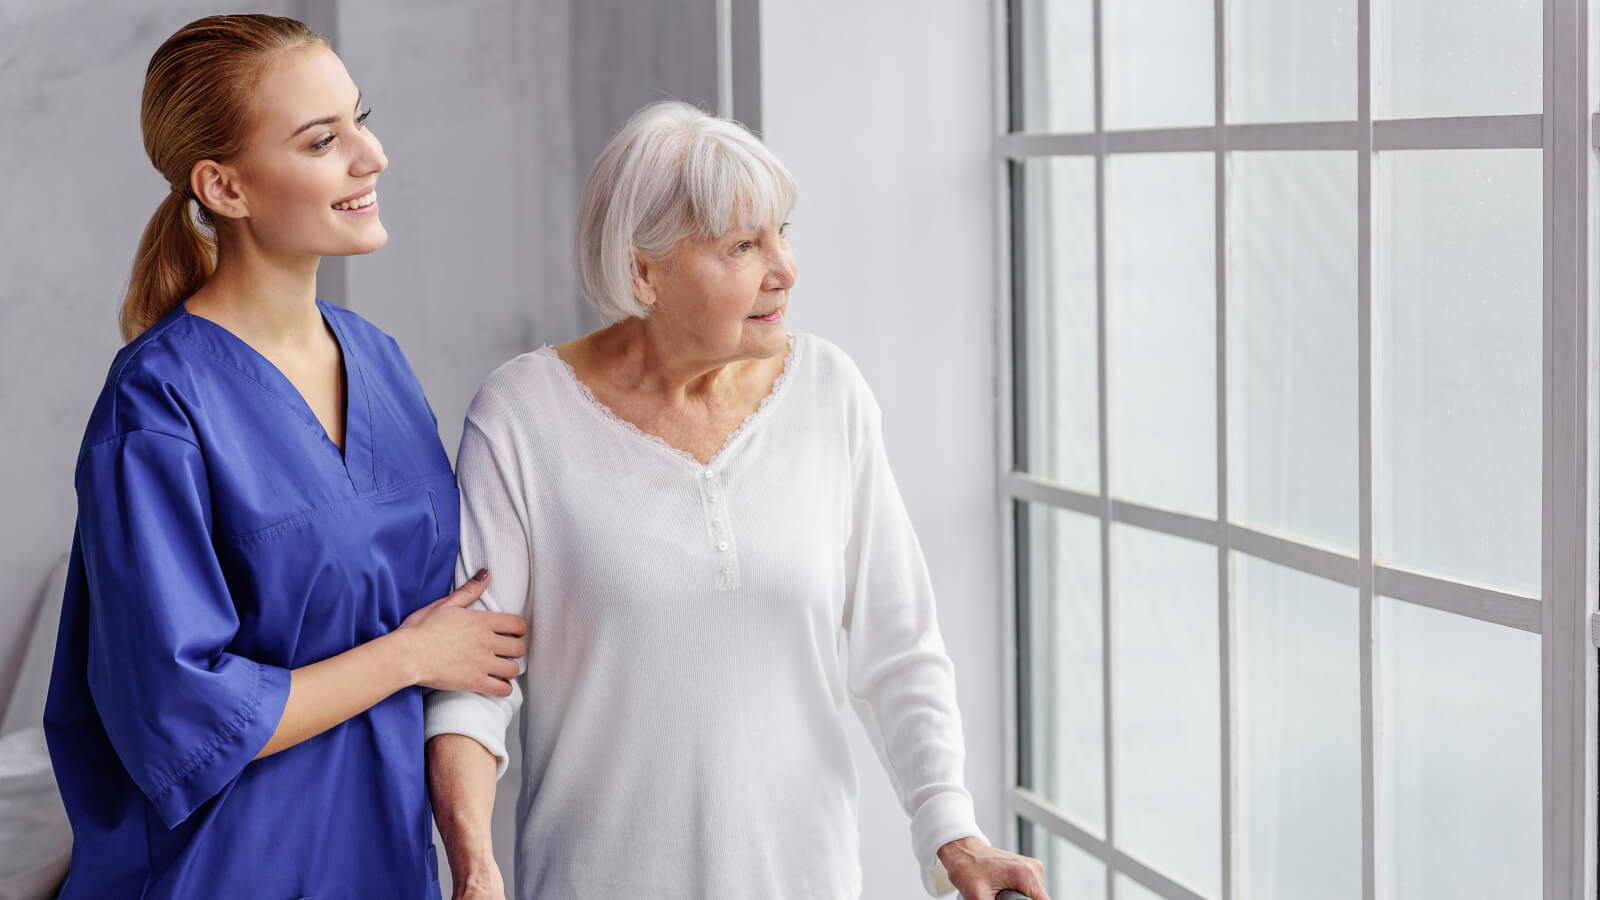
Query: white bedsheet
{"x": 35, "y": 838}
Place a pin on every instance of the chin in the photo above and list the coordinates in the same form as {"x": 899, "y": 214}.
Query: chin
{"x": 366, "y": 243}
{"x": 774, "y": 343}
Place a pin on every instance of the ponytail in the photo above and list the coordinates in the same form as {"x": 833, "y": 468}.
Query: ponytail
{"x": 175, "y": 259}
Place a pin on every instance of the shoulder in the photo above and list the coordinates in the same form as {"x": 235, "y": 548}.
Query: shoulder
{"x": 828, "y": 371}
{"x": 515, "y": 390}
{"x": 151, "y": 384}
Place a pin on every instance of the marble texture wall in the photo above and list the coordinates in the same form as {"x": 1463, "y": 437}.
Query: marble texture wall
{"x": 76, "y": 190}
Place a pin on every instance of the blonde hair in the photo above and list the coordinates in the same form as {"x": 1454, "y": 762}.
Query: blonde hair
{"x": 671, "y": 171}
{"x": 196, "y": 106}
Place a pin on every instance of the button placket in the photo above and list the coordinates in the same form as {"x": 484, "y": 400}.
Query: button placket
{"x": 724, "y": 553}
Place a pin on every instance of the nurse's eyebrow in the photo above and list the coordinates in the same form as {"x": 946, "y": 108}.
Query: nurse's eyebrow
{"x": 325, "y": 120}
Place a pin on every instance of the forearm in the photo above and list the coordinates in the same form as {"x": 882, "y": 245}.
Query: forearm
{"x": 461, "y": 780}
{"x": 326, "y": 693}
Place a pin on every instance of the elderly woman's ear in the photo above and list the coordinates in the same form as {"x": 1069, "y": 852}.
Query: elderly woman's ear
{"x": 643, "y": 275}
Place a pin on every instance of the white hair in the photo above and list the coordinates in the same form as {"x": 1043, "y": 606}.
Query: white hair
{"x": 672, "y": 171}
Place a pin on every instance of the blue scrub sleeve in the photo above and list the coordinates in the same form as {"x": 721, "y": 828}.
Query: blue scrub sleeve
{"x": 184, "y": 714}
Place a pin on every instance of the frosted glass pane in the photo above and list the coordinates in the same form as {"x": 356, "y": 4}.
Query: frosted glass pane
{"x": 1458, "y": 378}
{"x": 1056, "y": 43}
{"x": 1297, "y": 657}
{"x": 1064, "y": 676}
{"x": 1462, "y": 58}
{"x": 1292, "y": 345}
{"x": 1158, "y": 63}
{"x": 1060, "y": 380}
{"x": 1068, "y": 871}
{"x": 1161, "y": 292}
{"x": 1128, "y": 889}
{"x": 1291, "y": 61}
{"x": 1461, "y": 748}
{"x": 1166, "y": 730}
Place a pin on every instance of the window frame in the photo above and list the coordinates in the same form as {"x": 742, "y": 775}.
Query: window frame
{"x": 1568, "y": 135}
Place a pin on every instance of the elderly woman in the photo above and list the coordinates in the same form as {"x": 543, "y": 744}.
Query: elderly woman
{"x": 694, "y": 510}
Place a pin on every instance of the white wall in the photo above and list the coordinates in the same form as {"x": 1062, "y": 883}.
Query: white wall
{"x": 889, "y": 133}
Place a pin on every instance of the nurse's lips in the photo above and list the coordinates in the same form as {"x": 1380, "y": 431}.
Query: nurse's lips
{"x": 364, "y": 203}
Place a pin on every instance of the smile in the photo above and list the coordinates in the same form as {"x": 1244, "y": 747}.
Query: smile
{"x": 361, "y": 202}
{"x": 774, "y": 316}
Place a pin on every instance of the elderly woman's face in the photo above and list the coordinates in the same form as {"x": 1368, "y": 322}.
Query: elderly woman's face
{"x": 729, "y": 293}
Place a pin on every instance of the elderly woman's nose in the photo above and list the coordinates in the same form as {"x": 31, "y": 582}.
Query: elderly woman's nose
{"x": 782, "y": 273}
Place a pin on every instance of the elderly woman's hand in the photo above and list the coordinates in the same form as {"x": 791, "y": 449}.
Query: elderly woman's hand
{"x": 979, "y": 871}
{"x": 485, "y": 884}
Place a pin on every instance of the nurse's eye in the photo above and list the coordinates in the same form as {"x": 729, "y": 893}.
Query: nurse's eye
{"x": 361, "y": 120}
{"x": 325, "y": 141}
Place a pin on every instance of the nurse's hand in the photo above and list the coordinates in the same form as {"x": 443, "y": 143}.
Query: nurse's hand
{"x": 458, "y": 649}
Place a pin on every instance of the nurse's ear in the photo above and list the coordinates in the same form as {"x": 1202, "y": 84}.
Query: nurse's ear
{"x": 217, "y": 186}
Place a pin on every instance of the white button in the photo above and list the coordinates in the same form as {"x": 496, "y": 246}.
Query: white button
{"x": 723, "y": 546}
{"x": 717, "y": 522}
{"x": 710, "y": 474}
{"x": 726, "y": 570}
{"x": 713, "y": 498}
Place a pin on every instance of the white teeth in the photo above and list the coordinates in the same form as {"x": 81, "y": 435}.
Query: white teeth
{"x": 366, "y": 199}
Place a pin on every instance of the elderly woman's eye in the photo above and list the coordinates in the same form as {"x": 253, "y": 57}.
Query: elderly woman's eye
{"x": 742, "y": 246}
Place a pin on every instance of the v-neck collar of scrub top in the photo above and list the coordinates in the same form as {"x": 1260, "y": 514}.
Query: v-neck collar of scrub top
{"x": 356, "y": 458}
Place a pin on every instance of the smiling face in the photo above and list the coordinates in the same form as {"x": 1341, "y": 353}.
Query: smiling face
{"x": 305, "y": 184}
{"x": 724, "y": 297}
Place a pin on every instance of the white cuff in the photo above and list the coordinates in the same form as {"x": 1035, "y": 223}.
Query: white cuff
{"x": 941, "y": 819}
{"x": 478, "y": 716}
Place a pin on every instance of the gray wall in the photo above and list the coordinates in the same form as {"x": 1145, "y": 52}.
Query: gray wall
{"x": 77, "y": 192}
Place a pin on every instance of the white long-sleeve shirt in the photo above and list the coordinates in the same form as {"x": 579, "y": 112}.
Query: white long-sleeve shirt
{"x": 695, "y": 632}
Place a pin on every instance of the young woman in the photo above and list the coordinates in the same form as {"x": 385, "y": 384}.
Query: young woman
{"x": 266, "y": 518}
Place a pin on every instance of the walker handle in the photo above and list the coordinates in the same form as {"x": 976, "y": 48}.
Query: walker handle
{"x": 1012, "y": 895}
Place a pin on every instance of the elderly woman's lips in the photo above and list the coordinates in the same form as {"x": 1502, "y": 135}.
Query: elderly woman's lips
{"x": 773, "y": 316}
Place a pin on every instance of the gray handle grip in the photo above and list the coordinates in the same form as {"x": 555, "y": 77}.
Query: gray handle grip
{"x": 1012, "y": 895}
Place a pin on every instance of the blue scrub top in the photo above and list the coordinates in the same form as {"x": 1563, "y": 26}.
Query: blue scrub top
{"x": 223, "y": 540}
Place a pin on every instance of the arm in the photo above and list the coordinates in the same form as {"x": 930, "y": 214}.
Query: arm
{"x": 461, "y": 778}
{"x": 466, "y": 731}
{"x": 903, "y": 685}
{"x": 443, "y": 645}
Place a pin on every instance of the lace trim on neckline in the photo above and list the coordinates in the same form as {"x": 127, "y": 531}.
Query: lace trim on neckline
{"x": 733, "y": 437}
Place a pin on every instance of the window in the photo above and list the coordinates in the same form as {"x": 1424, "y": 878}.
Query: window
{"x": 1302, "y": 447}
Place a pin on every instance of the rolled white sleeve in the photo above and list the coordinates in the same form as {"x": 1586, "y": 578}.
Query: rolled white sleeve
{"x": 494, "y": 536}
{"x": 482, "y": 717}
{"x": 901, "y": 681}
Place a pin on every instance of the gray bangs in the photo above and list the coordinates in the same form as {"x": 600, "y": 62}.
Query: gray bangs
{"x": 731, "y": 187}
